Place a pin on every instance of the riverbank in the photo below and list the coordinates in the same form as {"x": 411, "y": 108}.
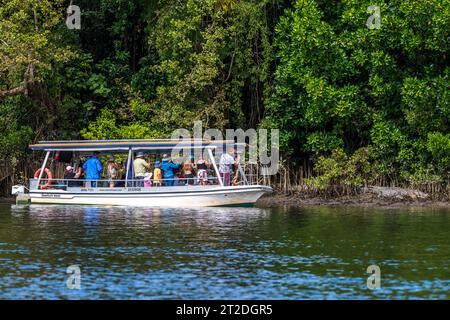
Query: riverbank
{"x": 364, "y": 200}
{"x": 367, "y": 200}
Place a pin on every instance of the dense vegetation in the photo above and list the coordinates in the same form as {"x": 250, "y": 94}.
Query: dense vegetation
{"x": 366, "y": 106}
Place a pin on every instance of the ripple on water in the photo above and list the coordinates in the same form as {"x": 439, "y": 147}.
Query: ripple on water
{"x": 222, "y": 253}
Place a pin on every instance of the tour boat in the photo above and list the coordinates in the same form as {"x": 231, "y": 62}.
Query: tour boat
{"x": 131, "y": 192}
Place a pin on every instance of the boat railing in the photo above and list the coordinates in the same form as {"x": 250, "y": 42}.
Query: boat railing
{"x": 64, "y": 184}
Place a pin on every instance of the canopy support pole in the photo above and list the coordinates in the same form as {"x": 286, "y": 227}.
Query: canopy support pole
{"x": 44, "y": 164}
{"x": 215, "y": 166}
{"x": 241, "y": 171}
{"x": 128, "y": 167}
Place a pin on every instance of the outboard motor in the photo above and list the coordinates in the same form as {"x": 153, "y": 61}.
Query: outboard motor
{"x": 18, "y": 189}
{"x": 21, "y": 196}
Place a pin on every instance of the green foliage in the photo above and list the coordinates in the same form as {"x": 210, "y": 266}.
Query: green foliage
{"x": 204, "y": 60}
{"x": 339, "y": 84}
{"x": 15, "y": 135}
{"x": 105, "y": 128}
{"x": 422, "y": 176}
{"x": 322, "y": 142}
{"x": 365, "y": 105}
{"x": 341, "y": 170}
{"x": 28, "y": 37}
{"x": 438, "y": 145}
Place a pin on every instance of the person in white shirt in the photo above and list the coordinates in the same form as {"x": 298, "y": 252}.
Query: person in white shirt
{"x": 226, "y": 163}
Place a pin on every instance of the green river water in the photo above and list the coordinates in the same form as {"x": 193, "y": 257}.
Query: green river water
{"x": 223, "y": 253}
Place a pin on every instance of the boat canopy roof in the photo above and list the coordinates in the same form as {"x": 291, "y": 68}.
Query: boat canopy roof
{"x": 126, "y": 145}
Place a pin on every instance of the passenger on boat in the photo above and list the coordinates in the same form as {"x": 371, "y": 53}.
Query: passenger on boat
{"x": 139, "y": 167}
{"x": 148, "y": 180}
{"x": 93, "y": 168}
{"x": 188, "y": 173}
{"x": 121, "y": 176}
{"x": 167, "y": 167}
{"x": 226, "y": 162}
{"x": 112, "y": 169}
{"x": 71, "y": 175}
{"x": 202, "y": 171}
{"x": 78, "y": 176}
{"x": 157, "y": 174}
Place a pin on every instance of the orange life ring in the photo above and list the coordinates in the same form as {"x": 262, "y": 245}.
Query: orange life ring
{"x": 49, "y": 178}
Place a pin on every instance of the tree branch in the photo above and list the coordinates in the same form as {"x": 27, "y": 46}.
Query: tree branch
{"x": 23, "y": 88}
{"x": 12, "y": 92}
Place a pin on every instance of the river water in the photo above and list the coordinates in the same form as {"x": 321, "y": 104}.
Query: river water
{"x": 222, "y": 253}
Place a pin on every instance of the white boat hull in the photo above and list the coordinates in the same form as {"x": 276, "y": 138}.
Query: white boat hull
{"x": 174, "y": 197}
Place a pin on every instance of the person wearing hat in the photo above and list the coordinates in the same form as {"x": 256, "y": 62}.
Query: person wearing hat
{"x": 157, "y": 175}
{"x": 140, "y": 167}
{"x": 69, "y": 174}
{"x": 167, "y": 167}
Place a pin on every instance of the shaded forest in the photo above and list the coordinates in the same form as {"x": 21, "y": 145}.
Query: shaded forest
{"x": 355, "y": 106}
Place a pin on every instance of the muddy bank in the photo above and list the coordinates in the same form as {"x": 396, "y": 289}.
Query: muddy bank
{"x": 361, "y": 200}
{"x": 368, "y": 200}
{"x": 7, "y": 200}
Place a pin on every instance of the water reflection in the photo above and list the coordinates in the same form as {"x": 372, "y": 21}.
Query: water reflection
{"x": 222, "y": 253}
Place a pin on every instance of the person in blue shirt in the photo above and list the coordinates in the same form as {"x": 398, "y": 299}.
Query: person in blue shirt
{"x": 167, "y": 167}
{"x": 93, "y": 168}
